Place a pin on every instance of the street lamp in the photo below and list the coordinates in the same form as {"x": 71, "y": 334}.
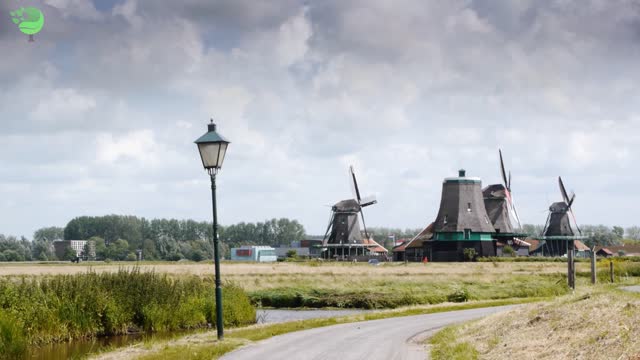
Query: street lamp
{"x": 212, "y": 148}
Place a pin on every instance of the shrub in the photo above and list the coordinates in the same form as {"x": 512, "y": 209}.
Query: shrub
{"x": 469, "y": 254}
{"x": 458, "y": 295}
{"x": 508, "y": 251}
{"x": 64, "y": 307}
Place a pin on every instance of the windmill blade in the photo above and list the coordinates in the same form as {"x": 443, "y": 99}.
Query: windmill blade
{"x": 515, "y": 214}
{"x": 546, "y": 224}
{"x": 509, "y": 185}
{"x": 364, "y": 226}
{"x": 369, "y": 200}
{"x": 355, "y": 183}
{"x": 504, "y": 174}
{"x": 325, "y": 239}
{"x": 573, "y": 197}
{"x": 563, "y": 190}
{"x": 512, "y": 207}
{"x": 573, "y": 216}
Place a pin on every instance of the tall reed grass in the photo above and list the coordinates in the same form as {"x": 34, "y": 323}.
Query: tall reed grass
{"x": 36, "y": 310}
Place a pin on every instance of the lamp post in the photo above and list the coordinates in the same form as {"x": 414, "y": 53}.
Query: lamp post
{"x": 212, "y": 148}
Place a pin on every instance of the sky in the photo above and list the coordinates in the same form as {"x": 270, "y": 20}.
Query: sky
{"x": 98, "y": 115}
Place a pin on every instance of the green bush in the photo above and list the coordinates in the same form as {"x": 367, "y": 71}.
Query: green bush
{"x": 508, "y": 251}
{"x": 469, "y": 254}
{"x": 458, "y": 295}
{"x": 63, "y": 307}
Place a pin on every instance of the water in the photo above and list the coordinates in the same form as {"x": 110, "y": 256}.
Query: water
{"x": 278, "y": 316}
{"x": 81, "y": 348}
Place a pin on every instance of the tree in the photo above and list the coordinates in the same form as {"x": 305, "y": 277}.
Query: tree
{"x": 600, "y": 235}
{"x": 69, "y": 254}
{"x": 633, "y": 233}
{"x": 618, "y": 231}
{"x": 532, "y": 230}
{"x": 101, "y": 248}
{"x": 118, "y": 250}
{"x": 12, "y": 255}
{"x": 42, "y": 250}
{"x": 19, "y": 250}
{"x": 49, "y": 234}
{"x": 149, "y": 250}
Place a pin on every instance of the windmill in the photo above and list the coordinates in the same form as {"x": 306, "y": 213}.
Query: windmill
{"x": 559, "y": 231}
{"x": 462, "y": 221}
{"x": 499, "y": 204}
{"x": 343, "y": 236}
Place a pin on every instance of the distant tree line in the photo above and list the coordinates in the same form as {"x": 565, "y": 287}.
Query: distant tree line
{"x": 118, "y": 237}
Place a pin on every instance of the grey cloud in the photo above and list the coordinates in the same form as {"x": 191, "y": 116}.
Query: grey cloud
{"x": 407, "y": 92}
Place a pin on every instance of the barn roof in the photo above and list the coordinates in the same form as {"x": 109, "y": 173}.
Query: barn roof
{"x": 628, "y": 249}
{"x": 580, "y": 246}
{"x": 400, "y": 248}
{"x": 605, "y": 250}
{"x": 378, "y": 248}
{"x": 418, "y": 240}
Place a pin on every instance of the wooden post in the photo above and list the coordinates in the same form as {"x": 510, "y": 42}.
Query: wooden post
{"x": 611, "y": 269}
{"x": 593, "y": 266}
{"x": 570, "y": 278}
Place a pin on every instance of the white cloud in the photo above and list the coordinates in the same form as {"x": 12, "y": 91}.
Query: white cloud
{"x": 139, "y": 146}
{"x": 81, "y": 9}
{"x": 63, "y": 105}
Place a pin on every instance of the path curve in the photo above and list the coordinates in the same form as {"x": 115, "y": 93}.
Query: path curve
{"x": 386, "y": 339}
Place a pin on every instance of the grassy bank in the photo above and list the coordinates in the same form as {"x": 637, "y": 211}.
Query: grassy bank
{"x": 595, "y": 323}
{"x": 36, "y": 310}
{"x": 383, "y": 294}
{"x": 205, "y": 346}
{"x": 396, "y": 285}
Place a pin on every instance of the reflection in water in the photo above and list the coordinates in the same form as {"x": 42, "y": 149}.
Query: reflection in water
{"x": 80, "y": 348}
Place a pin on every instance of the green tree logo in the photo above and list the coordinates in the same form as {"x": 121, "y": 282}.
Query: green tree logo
{"x": 30, "y": 20}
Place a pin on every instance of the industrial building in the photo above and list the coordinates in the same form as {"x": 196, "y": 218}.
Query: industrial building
{"x": 254, "y": 254}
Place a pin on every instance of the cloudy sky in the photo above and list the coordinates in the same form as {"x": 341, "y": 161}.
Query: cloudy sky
{"x": 99, "y": 114}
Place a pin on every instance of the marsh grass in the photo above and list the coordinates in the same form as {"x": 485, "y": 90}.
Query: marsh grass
{"x": 64, "y": 307}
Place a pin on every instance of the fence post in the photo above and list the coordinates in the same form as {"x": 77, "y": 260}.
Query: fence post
{"x": 593, "y": 266}
{"x": 611, "y": 269}
{"x": 570, "y": 271}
